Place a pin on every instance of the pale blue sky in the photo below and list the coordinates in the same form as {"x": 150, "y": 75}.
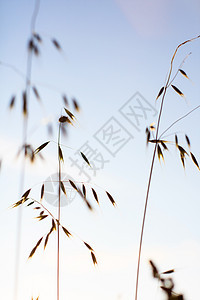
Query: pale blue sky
{"x": 111, "y": 50}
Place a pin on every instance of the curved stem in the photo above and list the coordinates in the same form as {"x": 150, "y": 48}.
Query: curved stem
{"x": 147, "y": 194}
{"x": 39, "y": 203}
{"x": 153, "y": 161}
{"x": 179, "y": 119}
{"x": 179, "y": 69}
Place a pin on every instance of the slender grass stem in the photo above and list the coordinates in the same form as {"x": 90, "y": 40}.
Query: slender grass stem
{"x": 179, "y": 119}
{"x": 153, "y": 162}
{"x": 22, "y": 180}
{"x": 58, "y": 227}
{"x": 39, "y": 203}
{"x": 24, "y": 141}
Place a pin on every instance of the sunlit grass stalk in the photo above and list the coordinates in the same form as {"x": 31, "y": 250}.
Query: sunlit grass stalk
{"x": 168, "y": 83}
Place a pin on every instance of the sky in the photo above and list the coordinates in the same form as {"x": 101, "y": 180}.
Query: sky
{"x": 114, "y": 54}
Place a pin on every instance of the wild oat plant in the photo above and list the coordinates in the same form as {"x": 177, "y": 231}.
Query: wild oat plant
{"x": 56, "y": 225}
{"x": 28, "y": 152}
{"x": 161, "y": 145}
{"x": 26, "y": 149}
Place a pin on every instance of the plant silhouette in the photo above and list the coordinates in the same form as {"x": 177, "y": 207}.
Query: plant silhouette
{"x": 167, "y": 283}
{"x": 160, "y": 145}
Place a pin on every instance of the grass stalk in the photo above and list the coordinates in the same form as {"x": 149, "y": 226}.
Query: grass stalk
{"x": 167, "y": 85}
{"x": 24, "y": 142}
{"x": 58, "y": 226}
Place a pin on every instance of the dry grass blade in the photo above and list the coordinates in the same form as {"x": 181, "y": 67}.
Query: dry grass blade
{"x": 157, "y": 141}
{"x": 41, "y": 147}
{"x": 65, "y": 100}
{"x": 160, "y": 154}
{"x": 84, "y": 190}
{"x": 69, "y": 113}
{"x": 12, "y": 102}
{"x": 31, "y": 45}
{"x": 35, "y": 248}
{"x": 75, "y": 104}
{"x": 46, "y": 240}
{"x": 177, "y": 90}
{"x": 94, "y": 258}
{"x": 37, "y": 37}
{"x": 36, "y": 93}
{"x": 148, "y": 134}
{"x": 60, "y": 154}
{"x": 164, "y": 145}
{"x": 31, "y": 203}
{"x": 42, "y": 192}
{"x": 160, "y": 92}
{"x": 73, "y": 185}
{"x": 152, "y": 126}
{"x": 194, "y": 160}
{"x": 56, "y": 44}
{"x": 25, "y": 195}
{"x": 36, "y": 50}
{"x": 182, "y": 155}
{"x": 111, "y": 198}
{"x": 88, "y": 246}
{"x": 17, "y": 203}
{"x": 95, "y": 195}
{"x": 168, "y": 272}
{"x": 176, "y": 140}
{"x": 85, "y": 158}
{"x": 183, "y": 73}
{"x": 88, "y": 204}
{"x": 53, "y": 225}
{"x": 24, "y": 97}
{"x": 154, "y": 270}
{"x": 84, "y": 197}
{"x": 187, "y": 140}
{"x": 66, "y": 231}
{"x": 62, "y": 187}
{"x": 182, "y": 151}
{"x": 41, "y": 217}
{"x": 183, "y": 160}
